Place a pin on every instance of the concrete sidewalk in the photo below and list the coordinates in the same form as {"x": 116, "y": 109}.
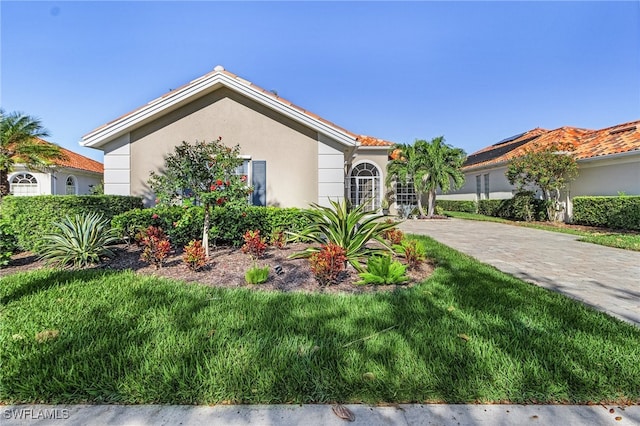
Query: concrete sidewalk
{"x": 605, "y": 278}
{"x": 410, "y": 414}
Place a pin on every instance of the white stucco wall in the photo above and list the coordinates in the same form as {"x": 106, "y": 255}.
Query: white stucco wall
{"x": 607, "y": 177}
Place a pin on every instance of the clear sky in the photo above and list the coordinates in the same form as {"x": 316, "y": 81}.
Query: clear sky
{"x": 475, "y": 72}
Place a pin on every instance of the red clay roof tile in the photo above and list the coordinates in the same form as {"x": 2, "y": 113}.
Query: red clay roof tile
{"x": 583, "y": 142}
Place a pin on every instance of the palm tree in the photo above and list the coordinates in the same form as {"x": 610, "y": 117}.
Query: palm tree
{"x": 20, "y": 143}
{"x": 430, "y": 166}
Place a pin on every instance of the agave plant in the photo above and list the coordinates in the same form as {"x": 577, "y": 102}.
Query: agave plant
{"x": 348, "y": 228}
{"x": 79, "y": 241}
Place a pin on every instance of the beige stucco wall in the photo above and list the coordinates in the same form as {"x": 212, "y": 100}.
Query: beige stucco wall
{"x": 289, "y": 149}
{"x": 499, "y": 186}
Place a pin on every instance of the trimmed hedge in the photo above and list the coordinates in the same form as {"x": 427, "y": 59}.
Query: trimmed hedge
{"x": 228, "y": 224}
{"x": 32, "y": 217}
{"x": 464, "y": 206}
{"x": 621, "y": 212}
{"x": 524, "y": 206}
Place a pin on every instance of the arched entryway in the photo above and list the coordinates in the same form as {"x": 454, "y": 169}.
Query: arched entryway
{"x": 365, "y": 186}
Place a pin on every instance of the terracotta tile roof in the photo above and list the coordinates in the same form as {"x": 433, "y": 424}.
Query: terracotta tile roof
{"x": 74, "y": 160}
{"x": 612, "y": 140}
{"x": 585, "y": 143}
{"x": 371, "y": 141}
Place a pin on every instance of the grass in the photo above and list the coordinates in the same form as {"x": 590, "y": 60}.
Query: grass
{"x": 468, "y": 334}
{"x": 622, "y": 240}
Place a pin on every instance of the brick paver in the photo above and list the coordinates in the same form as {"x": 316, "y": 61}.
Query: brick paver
{"x": 603, "y": 277}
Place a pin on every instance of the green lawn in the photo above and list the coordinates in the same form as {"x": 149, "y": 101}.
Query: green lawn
{"x": 468, "y": 334}
{"x": 623, "y": 240}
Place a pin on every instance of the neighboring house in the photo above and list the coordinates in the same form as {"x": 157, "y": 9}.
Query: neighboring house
{"x": 73, "y": 175}
{"x": 292, "y": 156}
{"x": 608, "y": 163}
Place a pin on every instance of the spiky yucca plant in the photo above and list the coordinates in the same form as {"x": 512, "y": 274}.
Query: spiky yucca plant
{"x": 79, "y": 241}
{"x": 349, "y": 228}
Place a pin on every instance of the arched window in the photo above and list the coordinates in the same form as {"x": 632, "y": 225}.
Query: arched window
{"x": 24, "y": 184}
{"x": 364, "y": 186}
{"x": 70, "y": 187}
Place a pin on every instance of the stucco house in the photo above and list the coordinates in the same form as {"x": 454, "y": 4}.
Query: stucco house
{"x": 608, "y": 163}
{"x": 73, "y": 175}
{"x": 292, "y": 156}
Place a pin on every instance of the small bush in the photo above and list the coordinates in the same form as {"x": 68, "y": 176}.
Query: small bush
{"x": 413, "y": 252}
{"x": 257, "y": 275}
{"x": 194, "y": 255}
{"x": 394, "y": 236}
{"x": 328, "y": 263}
{"x": 621, "y": 212}
{"x": 524, "y": 206}
{"x": 382, "y": 270}
{"x": 33, "y": 217}
{"x": 156, "y": 246}
{"x": 464, "y": 206}
{"x": 278, "y": 238}
{"x": 79, "y": 241}
{"x": 254, "y": 244}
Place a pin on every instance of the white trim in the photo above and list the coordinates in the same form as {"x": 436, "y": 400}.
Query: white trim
{"x": 200, "y": 87}
{"x": 380, "y": 190}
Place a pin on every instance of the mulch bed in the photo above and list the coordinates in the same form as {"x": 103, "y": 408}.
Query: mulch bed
{"x": 227, "y": 266}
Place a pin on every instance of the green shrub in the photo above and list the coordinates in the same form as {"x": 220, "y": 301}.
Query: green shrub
{"x": 228, "y": 223}
{"x": 348, "y": 228}
{"x": 490, "y": 207}
{"x": 464, "y": 206}
{"x": 381, "y": 270}
{"x": 33, "y": 217}
{"x": 621, "y": 212}
{"x": 524, "y": 206}
{"x": 8, "y": 243}
{"x": 79, "y": 241}
{"x": 257, "y": 275}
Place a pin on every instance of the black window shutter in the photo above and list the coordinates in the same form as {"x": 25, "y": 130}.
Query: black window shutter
{"x": 259, "y": 183}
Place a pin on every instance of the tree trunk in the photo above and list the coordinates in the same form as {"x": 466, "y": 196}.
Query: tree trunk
{"x": 4, "y": 183}
{"x": 432, "y": 203}
{"x": 420, "y": 208}
{"x": 205, "y": 229}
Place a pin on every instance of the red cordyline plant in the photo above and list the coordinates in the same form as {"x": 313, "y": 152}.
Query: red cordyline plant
{"x": 278, "y": 239}
{"x": 254, "y": 244}
{"x": 156, "y": 246}
{"x": 328, "y": 263}
{"x": 194, "y": 255}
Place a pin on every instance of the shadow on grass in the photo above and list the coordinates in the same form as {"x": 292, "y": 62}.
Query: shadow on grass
{"x": 468, "y": 334}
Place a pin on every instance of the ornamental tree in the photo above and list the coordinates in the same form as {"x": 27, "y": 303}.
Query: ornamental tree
{"x": 201, "y": 173}
{"x": 549, "y": 168}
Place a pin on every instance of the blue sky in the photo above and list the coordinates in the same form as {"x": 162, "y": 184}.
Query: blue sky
{"x": 475, "y": 72}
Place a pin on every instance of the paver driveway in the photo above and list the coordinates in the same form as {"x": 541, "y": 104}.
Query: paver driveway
{"x": 606, "y": 278}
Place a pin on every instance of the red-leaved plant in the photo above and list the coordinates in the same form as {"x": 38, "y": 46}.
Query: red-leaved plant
{"x": 328, "y": 263}
{"x": 278, "y": 239}
{"x": 394, "y": 235}
{"x": 254, "y": 244}
{"x": 155, "y": 245}
{"x": 194, "y": 255}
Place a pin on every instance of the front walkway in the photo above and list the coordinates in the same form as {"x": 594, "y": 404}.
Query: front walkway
{"x": 603, "y": 277}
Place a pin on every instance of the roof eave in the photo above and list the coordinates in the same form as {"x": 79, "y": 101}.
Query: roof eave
{"x": 174, "y": 100}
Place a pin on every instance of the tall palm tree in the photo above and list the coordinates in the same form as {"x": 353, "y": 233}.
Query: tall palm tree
{"x": 20, "y": 143}
{"x": 430, "y": 166}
